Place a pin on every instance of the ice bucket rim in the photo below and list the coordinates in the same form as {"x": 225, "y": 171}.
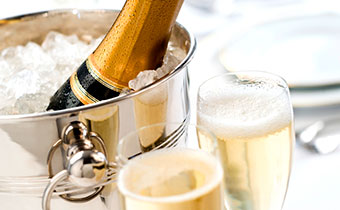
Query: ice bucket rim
{"x": 70, "y": 111}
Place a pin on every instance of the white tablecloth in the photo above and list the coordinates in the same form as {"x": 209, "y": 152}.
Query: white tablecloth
{"x": 315, "y": 179}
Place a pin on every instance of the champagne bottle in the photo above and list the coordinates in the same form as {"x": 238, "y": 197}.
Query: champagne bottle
{"x": 137, "y": 41}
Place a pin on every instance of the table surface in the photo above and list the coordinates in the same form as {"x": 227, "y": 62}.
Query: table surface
{"x": 314, "y": 183}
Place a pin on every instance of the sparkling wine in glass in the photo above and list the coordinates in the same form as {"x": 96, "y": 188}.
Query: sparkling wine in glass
{"x": 175, "y": 174}
{"x": 251, "y": 115}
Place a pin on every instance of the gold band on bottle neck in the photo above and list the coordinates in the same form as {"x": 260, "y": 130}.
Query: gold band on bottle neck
{"x": 102, "y": 77}
{"x": 80, "y": 92}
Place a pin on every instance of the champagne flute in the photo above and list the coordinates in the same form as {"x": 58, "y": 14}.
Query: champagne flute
{"x": 251, "y": 115}
{"x": 163, "y": 168}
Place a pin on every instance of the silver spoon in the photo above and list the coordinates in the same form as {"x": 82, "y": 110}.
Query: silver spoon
{"x": 322, "y": 137}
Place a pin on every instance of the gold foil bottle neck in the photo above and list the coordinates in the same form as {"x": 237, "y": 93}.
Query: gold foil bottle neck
{"x": 137, "y": 40}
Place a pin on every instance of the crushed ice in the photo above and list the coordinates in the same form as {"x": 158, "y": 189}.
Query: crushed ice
{"x": 30, "y": 74}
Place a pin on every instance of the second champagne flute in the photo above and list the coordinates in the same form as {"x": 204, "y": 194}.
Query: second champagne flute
{"x": 251, "y": 115}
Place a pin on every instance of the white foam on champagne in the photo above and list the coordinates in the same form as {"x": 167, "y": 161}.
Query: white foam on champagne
{"x": 153, "y": 168}
{"x": 232, "y": 111}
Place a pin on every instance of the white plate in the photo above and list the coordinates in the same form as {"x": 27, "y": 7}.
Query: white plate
{"x": 315, "y": 98}
{"x": 303, "y": 50}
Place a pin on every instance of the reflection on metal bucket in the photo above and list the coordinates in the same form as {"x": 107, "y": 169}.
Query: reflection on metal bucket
{"x": 151, "y": 108}
{"x": 25, "y": 140}
{"x": 105, "y": 122}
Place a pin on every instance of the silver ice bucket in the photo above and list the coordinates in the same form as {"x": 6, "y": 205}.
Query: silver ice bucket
{"x": 26, "y": 140}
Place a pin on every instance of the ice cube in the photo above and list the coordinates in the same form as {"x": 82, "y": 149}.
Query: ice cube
{"x": 34, "y": 58}
{"x": 180, "y": 183}
{"x": 30, "y": 103}
{"x": 7, "y": 96}
{"x": 143, "y": 79}
{"x": 5, "y": 70}
{"x": 24, "y": 82}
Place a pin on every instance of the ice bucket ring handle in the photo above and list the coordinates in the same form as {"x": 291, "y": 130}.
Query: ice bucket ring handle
{"x": 86, "y": 167}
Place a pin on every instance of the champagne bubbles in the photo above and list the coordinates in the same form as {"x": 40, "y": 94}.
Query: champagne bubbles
{"x": 249, "y": 110}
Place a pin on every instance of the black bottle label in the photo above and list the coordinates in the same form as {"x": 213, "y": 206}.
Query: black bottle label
{"x": 83, "y": 87}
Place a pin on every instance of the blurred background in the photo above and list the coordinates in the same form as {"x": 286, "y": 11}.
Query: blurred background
{"x": 297, "y": 39}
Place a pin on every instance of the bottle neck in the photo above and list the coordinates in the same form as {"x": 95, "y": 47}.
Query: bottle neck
{"x": 137, "y": 40}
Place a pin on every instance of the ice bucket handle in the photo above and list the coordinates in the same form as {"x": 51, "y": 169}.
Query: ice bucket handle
{"x": 86, "y": 167}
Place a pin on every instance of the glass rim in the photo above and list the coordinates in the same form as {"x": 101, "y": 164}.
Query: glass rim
{"x": 252, "y": 73}
{"x": 122, "y": 159}
{"x": 246, "y": 72}
{"x": 173, "y": 198}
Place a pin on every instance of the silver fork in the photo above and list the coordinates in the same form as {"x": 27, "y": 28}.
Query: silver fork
{"x": 322, "y": 137}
